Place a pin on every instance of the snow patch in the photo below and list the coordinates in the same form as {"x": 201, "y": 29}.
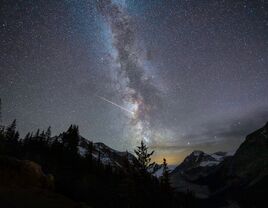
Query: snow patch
{"x": 209, "y": 163}
{"x": 197, "y": 153}
{"x": 217, "y": 157}
{"x": 82, "y": 151}
{"x": 106, "y": 161}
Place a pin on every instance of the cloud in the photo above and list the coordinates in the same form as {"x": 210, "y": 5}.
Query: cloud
{"x": 237, "y": 127}
{"x": 229, "y": 131}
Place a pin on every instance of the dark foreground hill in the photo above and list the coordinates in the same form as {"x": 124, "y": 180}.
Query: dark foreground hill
{"x": 23, "y": 184}
{"x": 244, "y": 177}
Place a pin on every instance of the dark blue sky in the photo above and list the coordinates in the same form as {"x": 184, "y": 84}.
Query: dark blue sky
{"x": 193, "y": 73}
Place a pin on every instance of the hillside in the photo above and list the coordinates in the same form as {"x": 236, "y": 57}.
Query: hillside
{"x": 23, "y": 184}
{"x": 224, "y": 180}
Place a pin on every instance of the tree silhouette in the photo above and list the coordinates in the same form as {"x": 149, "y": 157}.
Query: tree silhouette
{"x": 144, "y": 157}
{"x": 1, "y": 127}
{"x": 85, "y": 177}
{"x": 71, "y": 139}
{"x": 165, "y": 178}
{"x": 37, "y": 133}
{"x": 48, "y": 133}
{"x": 11, "y": 134}
{"x": 89, "y": 151}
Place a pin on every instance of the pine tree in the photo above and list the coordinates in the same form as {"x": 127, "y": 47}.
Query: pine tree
{"x": 0, "y": 111}
{"x": 71, "y": 139}
{"x": 99, "y": 157}
{"x": 16, "y": 136}
{"x": 144, "y": 157}
{"x": 42, "y": 135}
{"x": 89, "y": 151}
{"x": 2, "y": 130}
{"x": 11, "y": 139}
{"x": 11, "y": 131}
{"x": 48, "y": 133}
{"x": 2, "y": 127}
{"x": 27, "y": 138}
{"x": 126, "y": 161}
{"x": 165, "y": 178}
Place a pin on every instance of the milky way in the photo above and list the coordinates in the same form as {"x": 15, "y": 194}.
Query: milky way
{"x": 138, "y": 91}
{"x": 193, "y": 72}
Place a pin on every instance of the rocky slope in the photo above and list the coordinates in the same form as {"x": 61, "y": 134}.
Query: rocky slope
{"x": 244, "y": 176}
{"x": 23, "y": 184}
{"x": 250, "y": 161}
{"x": 241, "y": 178}
{"x": 23, "y": 173}
{"x": 105, "y": 154}
{"x": 99, "y": 151}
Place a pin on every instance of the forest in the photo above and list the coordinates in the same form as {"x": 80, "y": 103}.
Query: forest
{"x": 86, "y": 179}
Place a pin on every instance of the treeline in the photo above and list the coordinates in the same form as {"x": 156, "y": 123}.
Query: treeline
{"x": 85, "y": 179}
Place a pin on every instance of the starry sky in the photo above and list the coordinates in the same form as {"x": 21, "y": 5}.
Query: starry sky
{"x": 179, "y": 74}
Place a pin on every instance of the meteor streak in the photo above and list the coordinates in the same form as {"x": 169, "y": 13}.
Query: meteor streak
{"x": 121, "y": 107}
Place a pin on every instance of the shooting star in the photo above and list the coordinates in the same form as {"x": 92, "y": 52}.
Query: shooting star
{"x": 119, "y": 106}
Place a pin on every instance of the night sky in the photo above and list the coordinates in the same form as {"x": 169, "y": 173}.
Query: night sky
{"x": 181, "y": 75}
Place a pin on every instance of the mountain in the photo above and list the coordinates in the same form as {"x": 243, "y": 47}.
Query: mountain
{"x": 250, "y": 161}
{"x": 244, "y": 177}
{"x": 239, "y": 180}
{"x": 109, "y": 156}
{"x": 101, "y": 152}
{"x": 198, "y": 164}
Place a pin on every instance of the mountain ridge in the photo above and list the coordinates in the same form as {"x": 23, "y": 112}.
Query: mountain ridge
{"x": 240, "y": 177}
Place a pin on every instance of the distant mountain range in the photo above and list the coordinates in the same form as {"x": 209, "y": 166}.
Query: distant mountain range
{"x": 100, "y": 151}
{"x": 105, "y": 154}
